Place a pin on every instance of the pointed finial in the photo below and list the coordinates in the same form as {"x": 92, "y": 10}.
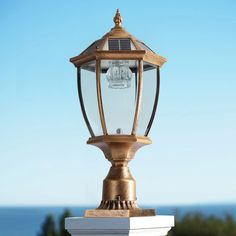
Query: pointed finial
{"x": 117, "y": 19}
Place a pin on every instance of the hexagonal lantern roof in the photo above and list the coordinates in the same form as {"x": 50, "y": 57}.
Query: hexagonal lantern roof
{"x": 118, "y": 44}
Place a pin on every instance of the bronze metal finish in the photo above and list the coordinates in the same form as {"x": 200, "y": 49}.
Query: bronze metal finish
{"x": 119, "y": 213}
{"x": 99, "y": 97}
{"x": 117, "y": 19}
{"x": 119, "y": 187}
{"x": 139, "y": 96}
{"x": 96, "y": 49}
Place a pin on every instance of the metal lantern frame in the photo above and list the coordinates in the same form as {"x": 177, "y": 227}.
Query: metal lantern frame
{"x": 119, "y": 188}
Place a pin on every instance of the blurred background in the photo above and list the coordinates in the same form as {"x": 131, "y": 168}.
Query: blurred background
{"x": 46, "y": 166}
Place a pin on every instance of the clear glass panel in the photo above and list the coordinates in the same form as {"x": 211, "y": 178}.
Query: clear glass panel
{"x": 89, "y": 93}
{"x": 118, "y": 86}
{"x": 148, "y": 97}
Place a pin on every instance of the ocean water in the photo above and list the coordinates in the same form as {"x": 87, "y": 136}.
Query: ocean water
{"x": 27, "y": 221}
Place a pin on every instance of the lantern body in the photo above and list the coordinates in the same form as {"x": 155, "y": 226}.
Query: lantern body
{"x": 119, "y": 96}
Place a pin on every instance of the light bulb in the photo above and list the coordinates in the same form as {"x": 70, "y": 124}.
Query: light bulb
{"x": 119, "y": 74}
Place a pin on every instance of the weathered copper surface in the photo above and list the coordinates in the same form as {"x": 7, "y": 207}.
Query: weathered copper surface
{"x": 119, "y": 213}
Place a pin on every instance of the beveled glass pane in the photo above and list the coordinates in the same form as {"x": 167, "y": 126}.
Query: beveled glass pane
{"x": 148, "y": 97}
{"x": 118, "y": 88}
{"x": 89, "y": 93}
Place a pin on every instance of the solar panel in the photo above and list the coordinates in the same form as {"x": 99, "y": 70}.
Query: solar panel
{"x": 113, "y": 44}
{"x": 125, "y": 44}
{"x": 119, "y": 44}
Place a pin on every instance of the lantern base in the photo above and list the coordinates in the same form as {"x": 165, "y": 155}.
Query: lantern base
{"x": 119, "y": 213}
{"x": 119, "y": 187}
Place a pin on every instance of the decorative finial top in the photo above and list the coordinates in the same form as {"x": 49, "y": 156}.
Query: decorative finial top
{"x": 117, "y": 19}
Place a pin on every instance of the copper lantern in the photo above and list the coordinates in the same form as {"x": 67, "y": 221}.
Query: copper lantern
{"x": 118, "y": 86}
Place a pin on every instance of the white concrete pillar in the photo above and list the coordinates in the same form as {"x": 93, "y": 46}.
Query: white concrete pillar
{"x": 141, "y": 226}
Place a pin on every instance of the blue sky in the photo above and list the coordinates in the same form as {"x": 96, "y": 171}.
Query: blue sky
{"x": 43, "y": 153}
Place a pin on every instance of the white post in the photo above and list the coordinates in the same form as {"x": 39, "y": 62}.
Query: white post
{"x": 123, "y": 226}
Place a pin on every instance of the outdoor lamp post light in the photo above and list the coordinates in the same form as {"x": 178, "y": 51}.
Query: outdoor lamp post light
{"x": 118, "y": 86}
